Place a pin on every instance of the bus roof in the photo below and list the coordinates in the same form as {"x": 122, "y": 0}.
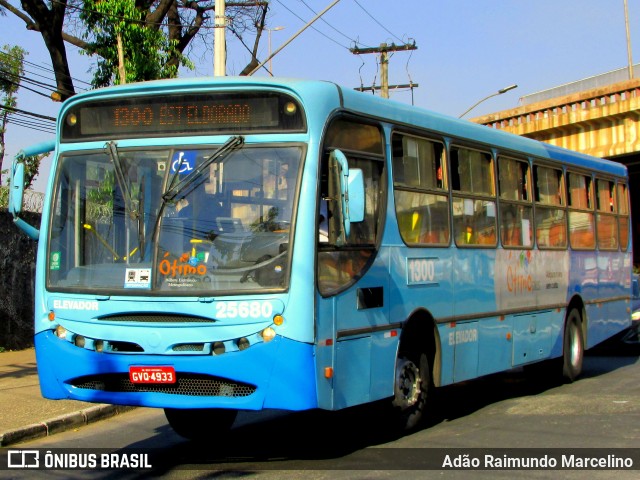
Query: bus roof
{"x": 377, "y": 107}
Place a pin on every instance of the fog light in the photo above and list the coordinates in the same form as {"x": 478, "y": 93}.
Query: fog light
{"x": 61, "y": 332}
{"x": 218, "y": 348}
{"x": 243, "y": 343}
{"x": 268, "y": 334}
{"x": 79, "y": 341}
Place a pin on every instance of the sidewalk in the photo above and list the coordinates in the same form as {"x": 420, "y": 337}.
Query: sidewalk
{"x": 25, "y": 414}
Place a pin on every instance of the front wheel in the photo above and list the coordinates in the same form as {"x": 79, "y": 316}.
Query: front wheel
{"x": 573, "y": 347}
{"x": 201, "y": 423}
{"x": 411, "y": 390}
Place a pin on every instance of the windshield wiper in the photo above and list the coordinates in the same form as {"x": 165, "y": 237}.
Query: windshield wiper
{"x": 133, "y": 211}
{"x": 112, "y": 150}
{"x": 223, "y": 151}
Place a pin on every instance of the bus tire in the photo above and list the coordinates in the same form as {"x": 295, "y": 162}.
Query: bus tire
{"x": 200, "y": 423}
{"x": 573, "y": 347}
{"x": 412, "y": 387}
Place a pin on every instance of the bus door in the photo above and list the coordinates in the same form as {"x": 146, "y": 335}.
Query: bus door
{"x": 475, "y": 235}
{"x": 355, "y": 349}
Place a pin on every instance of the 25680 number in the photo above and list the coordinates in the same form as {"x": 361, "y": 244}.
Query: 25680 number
{"x": 244, "y": 309}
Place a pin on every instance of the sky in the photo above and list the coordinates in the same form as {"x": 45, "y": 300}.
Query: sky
{"x": 466, "y": 50}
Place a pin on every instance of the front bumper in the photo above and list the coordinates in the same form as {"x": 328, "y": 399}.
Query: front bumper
{"x": 279, "y": 374}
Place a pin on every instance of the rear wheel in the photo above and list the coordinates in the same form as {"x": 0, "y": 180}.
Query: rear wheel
{"x": 412, "y": 387}
{"x": 200, "y": 423}
{"x": 573, "y": 350}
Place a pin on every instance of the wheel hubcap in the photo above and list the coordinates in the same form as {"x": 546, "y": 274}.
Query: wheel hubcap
{"x": 575, "y": 347}
{"x": 407, "y": 383}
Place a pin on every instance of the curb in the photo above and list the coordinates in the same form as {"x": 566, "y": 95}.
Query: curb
{"x": 61, "y": 423}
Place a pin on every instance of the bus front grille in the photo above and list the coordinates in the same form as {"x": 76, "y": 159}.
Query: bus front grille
{"x": 190, "y": 384}
{"x": 155, "y": 318}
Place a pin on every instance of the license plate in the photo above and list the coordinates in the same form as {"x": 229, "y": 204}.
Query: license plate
{"x": 152, "y": 374}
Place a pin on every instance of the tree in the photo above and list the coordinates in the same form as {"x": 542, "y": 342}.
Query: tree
{"x": 11, "y": 69}
{"x": 140, "y": 51}
{"x": 49, "y": 21}
{"x": 171, "y": 26}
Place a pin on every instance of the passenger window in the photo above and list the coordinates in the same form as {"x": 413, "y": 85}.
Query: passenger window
{"x": 421, "y": 198}
{"x": 474, "y": 206}
{"x": 514, "y": 179}
{"x": 516, "y": 211}
{"x": 606, "y": 220}
{"x": 623, "y": 218}
{"x": 581, "y": 217}
{"x": 550, "y": 218}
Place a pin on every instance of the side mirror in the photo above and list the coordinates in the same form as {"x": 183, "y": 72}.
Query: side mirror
{"x": 16, "y": 185}
{"x": 346, "y": 187}
{"x": 16, "y": 190}
{"x": 356, "y": 195}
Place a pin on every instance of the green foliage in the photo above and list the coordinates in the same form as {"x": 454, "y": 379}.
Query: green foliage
{"x": 31, "y": 167}
{"x": 100, "y": 199}
{"x": 11, "y": 69}
{"x": 4, "y": 197}
{"x": 146, "y": 47}
{"x": 11, "y": 61}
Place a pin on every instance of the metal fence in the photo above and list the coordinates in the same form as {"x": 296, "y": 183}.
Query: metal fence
{"x": 32, "y": 200}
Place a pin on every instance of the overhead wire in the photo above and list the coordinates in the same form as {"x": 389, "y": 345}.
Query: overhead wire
{"x": 314, "y": 28}
{"x": 322, "y": 19}
{"x": 27, "y": 119}
{"x": 25, "y": 112}
{"x": 392, "y": 53}
{"x": 17, "y": 84}
{"x": 46, "y": 69}
{"x": 22, "y": 78}
{"x": 380, "y": 24}
{"x": 31, "y": 124}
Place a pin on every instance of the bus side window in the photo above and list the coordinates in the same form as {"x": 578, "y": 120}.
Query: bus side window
{"x": 420, "y": 190}
{"x": 551, "y": 218}
{"x": 622, "y": 195}
{"x": 516, "y": 211}
{"x": 607, "y": 226}
{"x": 474, "y": 205}
{"x": 581, "y": 218}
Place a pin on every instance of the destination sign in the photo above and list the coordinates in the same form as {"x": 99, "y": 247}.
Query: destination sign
{"x": 185, "y": 114}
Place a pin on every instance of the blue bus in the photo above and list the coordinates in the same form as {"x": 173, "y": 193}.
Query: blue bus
{"x": 216, "y": 245}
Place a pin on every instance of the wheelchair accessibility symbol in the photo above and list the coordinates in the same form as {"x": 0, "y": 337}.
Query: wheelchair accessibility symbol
{"x": 183, "y": 162}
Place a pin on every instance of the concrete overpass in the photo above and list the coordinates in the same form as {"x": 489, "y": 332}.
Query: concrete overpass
{"x": 603, "y": 121}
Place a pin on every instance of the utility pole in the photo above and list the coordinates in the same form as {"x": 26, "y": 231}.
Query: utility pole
{"x": 629, "y": 55}
{"x": 219, "y": 40}
{"x": 384, "y": 50}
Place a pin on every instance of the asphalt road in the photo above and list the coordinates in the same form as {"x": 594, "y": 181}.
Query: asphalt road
{"x": 513, "y": 410}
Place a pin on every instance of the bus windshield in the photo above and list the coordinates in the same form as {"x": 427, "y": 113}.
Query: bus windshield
{"x": 124, "y": 220}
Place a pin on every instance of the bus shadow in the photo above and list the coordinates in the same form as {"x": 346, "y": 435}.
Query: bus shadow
{"x": 325, "y": 440}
